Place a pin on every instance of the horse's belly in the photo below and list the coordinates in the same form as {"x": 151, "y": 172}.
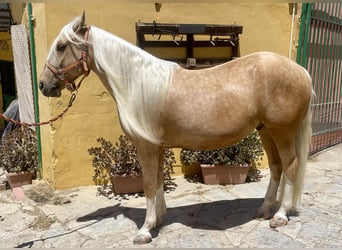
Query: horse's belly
{"x": 194, "y": 123}
{"x": 205, "y": 137}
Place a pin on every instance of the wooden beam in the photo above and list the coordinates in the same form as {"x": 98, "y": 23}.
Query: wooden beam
{"x": 183, "y": 29}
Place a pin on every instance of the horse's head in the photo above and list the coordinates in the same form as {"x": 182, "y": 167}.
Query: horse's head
{"x": 67, "y": 59}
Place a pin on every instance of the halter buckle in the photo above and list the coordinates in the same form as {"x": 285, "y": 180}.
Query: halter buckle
{"x": 60, "y": 74}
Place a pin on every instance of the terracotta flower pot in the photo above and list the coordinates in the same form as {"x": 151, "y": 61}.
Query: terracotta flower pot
{"x": 224, "y": 174}
{"x": 127, "y": 184}
{"x": 18, "y": 179}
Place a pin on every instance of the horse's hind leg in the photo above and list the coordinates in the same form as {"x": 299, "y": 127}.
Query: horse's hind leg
{"x": 287, "y": 152}
{"x": 151, "y": 159}
{"x": 274, "y": 161}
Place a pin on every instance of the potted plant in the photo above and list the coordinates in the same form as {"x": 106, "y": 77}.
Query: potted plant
{"x": 19, "y": 156}
{"x": 119, "y": 165}
{"x": 228, "y": 165}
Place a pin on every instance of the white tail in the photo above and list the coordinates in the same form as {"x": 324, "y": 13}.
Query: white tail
{"x": 303, "y": 140}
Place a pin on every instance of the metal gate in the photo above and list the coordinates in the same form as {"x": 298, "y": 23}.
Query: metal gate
{"x": 320, "y": 52}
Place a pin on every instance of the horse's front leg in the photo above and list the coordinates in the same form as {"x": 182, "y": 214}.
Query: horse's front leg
{"x": 150, "y": 158}
{"x": 160, "y": 199}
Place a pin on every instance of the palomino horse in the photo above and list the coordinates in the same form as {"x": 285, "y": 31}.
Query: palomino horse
{"x": 160, "y": 104}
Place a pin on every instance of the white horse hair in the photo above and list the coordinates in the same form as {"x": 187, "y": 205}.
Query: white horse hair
{"x": 138, "y": 80}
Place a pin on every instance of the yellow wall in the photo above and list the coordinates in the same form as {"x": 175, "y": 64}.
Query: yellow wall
{"x": 66, "y": 162}
{"x": 6, "y": 51}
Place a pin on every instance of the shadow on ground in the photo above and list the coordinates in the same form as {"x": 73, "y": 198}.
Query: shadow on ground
{"x": 217, "y": 215}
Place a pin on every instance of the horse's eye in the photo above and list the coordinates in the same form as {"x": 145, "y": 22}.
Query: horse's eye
{"x": 61, "y": 47}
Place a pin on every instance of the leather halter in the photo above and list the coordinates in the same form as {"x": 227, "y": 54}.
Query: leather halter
{"x": 60, "y": 73}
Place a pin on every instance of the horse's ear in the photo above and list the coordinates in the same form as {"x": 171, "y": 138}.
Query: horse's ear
{"x": 83, "y": 19}
{"x": 80, "y": 24}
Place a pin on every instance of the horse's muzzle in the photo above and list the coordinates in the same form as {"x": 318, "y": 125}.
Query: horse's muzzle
{"x": 50, "y": 90}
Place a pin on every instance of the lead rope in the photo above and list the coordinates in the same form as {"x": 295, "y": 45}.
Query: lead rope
{"x": 71, "y": 100}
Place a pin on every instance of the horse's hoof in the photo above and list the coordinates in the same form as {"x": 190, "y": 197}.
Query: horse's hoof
{"x": 263, "y": 214}
{"x": 278, "y": 222}
{"x": 141, "y": 239}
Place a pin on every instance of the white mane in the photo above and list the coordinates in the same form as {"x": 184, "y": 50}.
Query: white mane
{"x": 138, "y": 80}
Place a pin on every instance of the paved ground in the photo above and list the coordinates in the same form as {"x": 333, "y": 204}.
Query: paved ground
{"x": 198, "y": 215}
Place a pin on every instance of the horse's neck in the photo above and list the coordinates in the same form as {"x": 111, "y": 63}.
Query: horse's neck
{"x": 121, "y": 63}
{"x": 111, "y": 59}
{"x": 138, "y": 81}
